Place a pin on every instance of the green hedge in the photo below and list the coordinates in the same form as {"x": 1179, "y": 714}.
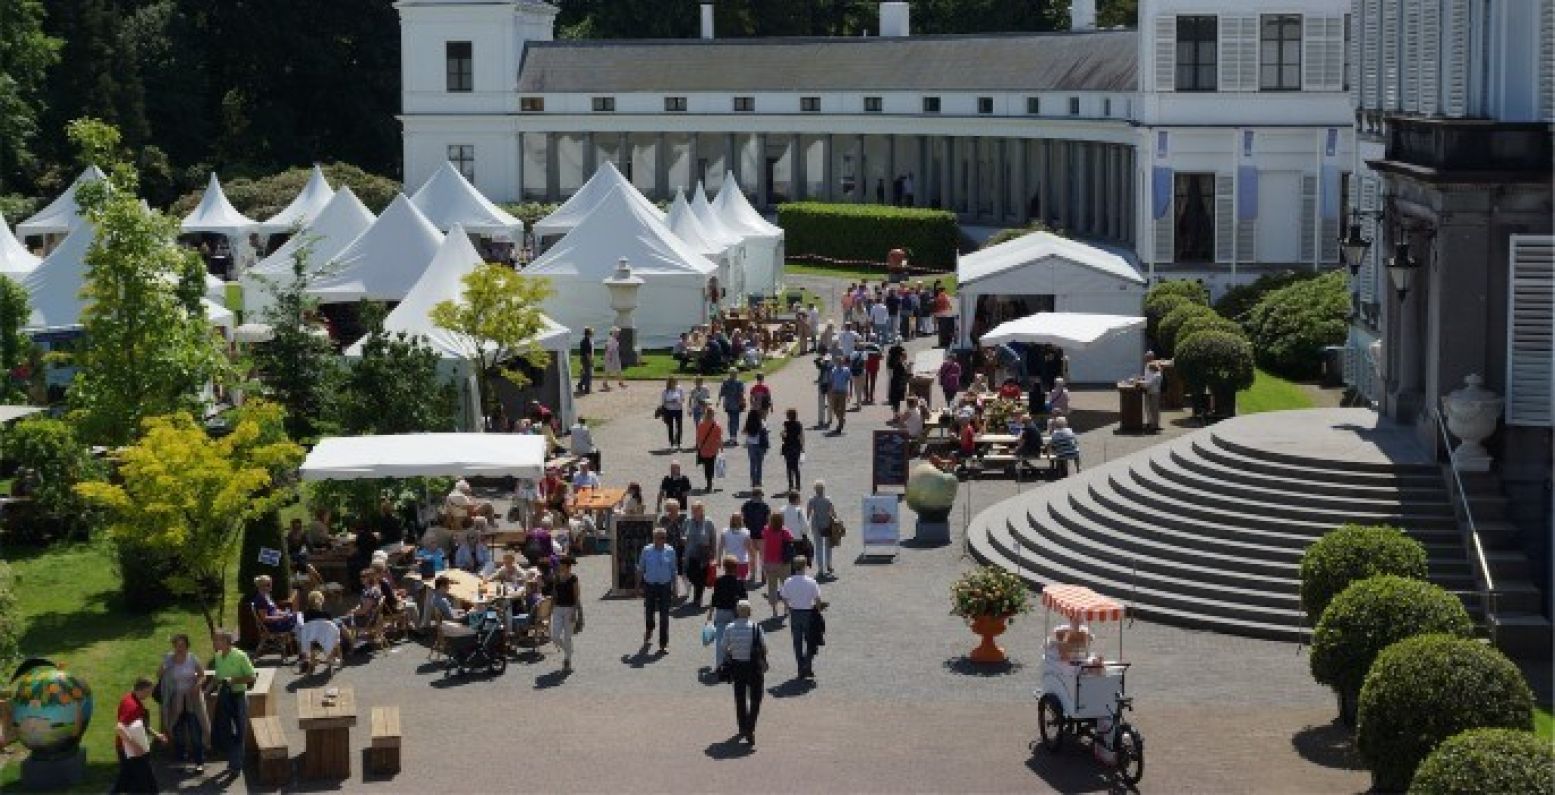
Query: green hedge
{"x": 1353, "y": 552}
{"x": 265, "y": 532}
{"x": 1199, "y": 323}
{"x": 868, "y": 232}
{"x": 1291, "y": 326}
{"x": 1237, "y": 301}
{"x": 1487, "y": 760}
{"x": 1166, "y": 336}
{"x": 10, "y": 620}
{"x": 1157, "y": 307}
{"x": 1191, "y": 289}
{"x": 261, "y": 198}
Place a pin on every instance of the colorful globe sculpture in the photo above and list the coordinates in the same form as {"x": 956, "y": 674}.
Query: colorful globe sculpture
{"x": 50, "y": 708}
{"x": 931, "y": 492}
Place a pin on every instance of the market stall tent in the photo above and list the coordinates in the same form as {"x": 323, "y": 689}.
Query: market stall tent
{"x": 733, "y": 242}
{"x": 62, "y": 214}
{"x": 572, "y": 212}
{"x": 383, "y": 262}
{"x": 675, "y": 276}
{"x": 447, "y": 198}
{"x": 763, "y": 241}
{"x": 216, "y": 215}
{"x": 413, "y": 455}
{"x": 1072, "y": 331}
{"x": 342, "y": 220}
{"x": 306, "y": 206}
{"x": 684, "y": 223}
{"x": 1042, "y": 272}
{"x": 15, "y": 260}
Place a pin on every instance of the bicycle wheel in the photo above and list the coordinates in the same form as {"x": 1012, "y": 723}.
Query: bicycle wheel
{"x": 1131, "y": 755}
{"x": 1050, "y": 722}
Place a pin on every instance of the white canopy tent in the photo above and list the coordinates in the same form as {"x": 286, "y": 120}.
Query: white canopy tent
{"x": 343, "y": 219}
{"x": 305, "y": 207}
{"x": 383, "y": 262}
{"x": 674, "y": 274}
{"x": 572, "y": 212}
{"x": 414, "y": 455}
{"x": 1043, "y": 272}
{"x": 733, "y": 242}
{"x": 15, "y": 260}
{"x": 686, "y": 226}
{"x": 62, "y": 214}
{"x": 216, "y": 215}
{"x": 1072, "y": 331}
{"x": 441, "y": 282}
{"x": 763, "y": 241}
{"x": 447, "y": 198}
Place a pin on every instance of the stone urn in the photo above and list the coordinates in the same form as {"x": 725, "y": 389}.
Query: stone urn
{"x": 989, "y": 627}
{"x": 50, "y": 710}
{"x": 1472, "y": 414}
{"x": 931, "y": 493}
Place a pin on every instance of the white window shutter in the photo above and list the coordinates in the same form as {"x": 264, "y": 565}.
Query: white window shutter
{"x": 1454, "y": 50}
{"x": 1322, "y": 53}
{"x": 1166, "y": 53}
{"x": 1530, "y": 332}
{"x": 1225, "y": 218}
{"x": 1390, "y": 45}
{"x": 1368, "y": 36}
{"x": 1308, "y": 216}
{"x": 1238, "y": 53}
{"x": 1410, "y": 69}
{"x": 1247, "y": 241}
{"x": 1547, "y": 60}
{"x": 1328, "y": 240}
{"x": 1165, "y": 239}
{"x": 1368, "y": 272}
{"x": 1430, "y": 59}
{"x": 1333, "y": 64}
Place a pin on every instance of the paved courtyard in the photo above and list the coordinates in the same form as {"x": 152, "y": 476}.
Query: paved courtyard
{"x": 895, "y": 708}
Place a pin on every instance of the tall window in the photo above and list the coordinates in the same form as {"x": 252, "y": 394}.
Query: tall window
{"x": 1074, "y": 106}
{"x": 1279, "y": 52}
{"x": 744, "y": 104}
{"x": 1196, "y": 53}
{"x": 1194, "y": 219}
{"x": 1033, "y": 105}
{"x": 461, "y": 66}
{"x": 931, "y": 104}
{"x": 604, "y": 104}
{"x": 873, "y": 105}
{"x": 810, "y": 104}
{"x": 1106, "y": 106}
{"x": 985, "y": 105}
{"x": 463, "y": 158}
{"x": 675, "y": 104}
{"x": 531, "y": 104}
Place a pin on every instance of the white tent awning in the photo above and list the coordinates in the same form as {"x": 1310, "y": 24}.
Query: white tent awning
{"x": 385, "y": 261}
{"x": 15, "y": 260}
{"x": 737, "y": 213}
{"x": 62, "y": 214}
{"x": 448, "y": 199}
{"x": 1037, "y": 246}
{"x": 215, "y": 214}
{"x": 426, "y": 455}
{"x": 685, "y": 224}
{"x": 572, "y": 212}
{"x": 305, "y": 207}
{"x": 1074, "y": 331}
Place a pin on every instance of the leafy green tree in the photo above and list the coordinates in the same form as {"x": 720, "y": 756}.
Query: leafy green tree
{"x": 396, "y": 387}
{"x": 149, "y": 348}
{"x": 15, "y": 346}
{"x": 95, "y": 76}
{"x": 50, "y": 460}
{"x": 301, "y": 370}
{"x": 500, "y": 320}
{"x": 26, "y": 53}
{"x": 188, "y": 496}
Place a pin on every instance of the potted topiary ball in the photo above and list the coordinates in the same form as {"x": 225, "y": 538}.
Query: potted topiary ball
{"x": 1353, "y": 552}
{"x": 1487, "y": 760}
{"x": 1219, "y": 362}
{"x": 989, "y": 599}
{"x": 1423, "y": 690}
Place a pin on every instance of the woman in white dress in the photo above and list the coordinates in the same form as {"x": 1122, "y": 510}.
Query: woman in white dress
{"x": 613, "y": 359}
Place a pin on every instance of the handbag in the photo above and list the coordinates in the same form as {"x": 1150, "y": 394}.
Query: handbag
{"x": 720, "y": 466}
{"x": 577, "y": 621}
{"x": 658, "y": 413}
{"x": 760, "y": 650}
{"x": 709, "y": 633}
{"x": 837, "y": 531}
{"x": 711, "y": 576}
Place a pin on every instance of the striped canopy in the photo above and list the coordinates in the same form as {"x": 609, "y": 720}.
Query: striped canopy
{"x": 1079, "y": 603}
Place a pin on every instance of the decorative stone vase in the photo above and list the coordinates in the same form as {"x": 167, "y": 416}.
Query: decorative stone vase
{"x": 989, "y": 627}
{"x": 50, "y": 709}
{"x": 931, "y": 492}
{"x": 1472, "y": 413}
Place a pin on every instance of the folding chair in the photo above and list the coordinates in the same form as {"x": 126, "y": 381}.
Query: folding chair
{"x": 279, "y": 642}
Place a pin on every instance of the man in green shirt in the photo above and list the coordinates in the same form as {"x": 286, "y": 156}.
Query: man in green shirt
{"x": 234, "y": 673}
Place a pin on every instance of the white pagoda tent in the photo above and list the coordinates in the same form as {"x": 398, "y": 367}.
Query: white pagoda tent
{"x": 383, "y": 262}
{"x": 443, "y": 281}
{"x": 217, "y": 216}
{"x": 62, "y": 214}
{"x": 305, "y": 207}
{"x": 674, "y": 274}
{"x": 734, "y": 244}
{"x": 15, "y": 260}
{"x": 448, "y": 199}
{"x": 342, "y": 220}
{"x": 763, "y": 241}
{"x": 572, "y": 212}
{"x": 684, "y": 223}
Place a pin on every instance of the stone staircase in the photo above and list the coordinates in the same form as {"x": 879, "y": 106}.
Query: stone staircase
{"x": 1207, "y": 530}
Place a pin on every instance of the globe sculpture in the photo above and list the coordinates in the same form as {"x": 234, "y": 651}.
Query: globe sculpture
{"x": 50, "y": 709}
{"x": 931, "y": 492}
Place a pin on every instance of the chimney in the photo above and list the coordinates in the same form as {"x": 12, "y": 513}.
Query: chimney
{"x": 894, "y": 20}
{"x": 1082, "y": 15}
{"x": 707, "y": 20}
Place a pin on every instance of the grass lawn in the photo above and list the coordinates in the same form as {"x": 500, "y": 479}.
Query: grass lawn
{"x": 657, "y": 365}
{"x": 73, "y": 615}
{"x": 948, "y": 280}
{"x": 1543, "y": 723}
{"x": 1271, "y": 393}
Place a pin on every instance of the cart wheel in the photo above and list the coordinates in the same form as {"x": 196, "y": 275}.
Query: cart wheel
{"x": 1131, "y": 755}
{"x": 1050, "y": 722}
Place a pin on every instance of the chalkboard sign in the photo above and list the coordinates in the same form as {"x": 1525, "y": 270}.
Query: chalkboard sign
{"x": 632, "y": 533}
{"x": 890, "y": 456}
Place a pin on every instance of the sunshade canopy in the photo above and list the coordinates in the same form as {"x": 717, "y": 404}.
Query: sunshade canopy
{"x": 1069, "y": 330}
{"x": 8, "y": 413}
{"x": 307, "y": 205}
{"x": 686, "y": 226}
{"x": 215, "y": 214}
{"x": 385, "y": 261}
{"x": 737, "y": 213}
{"x": 426, "y": 455}
{"x": 1035, "y": 247}
{"x": 62, "y": 214}
{"x": 1079, "y": 603}
{"x": 621, "y": 226}
{"x": 15, "y": 260}
{"x": 447, "y": 198}
{"x": 572, "y": 212}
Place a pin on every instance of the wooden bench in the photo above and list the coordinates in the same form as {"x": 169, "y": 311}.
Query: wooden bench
{"x": 275, "y": 764}
{"x": 383, "y": 757}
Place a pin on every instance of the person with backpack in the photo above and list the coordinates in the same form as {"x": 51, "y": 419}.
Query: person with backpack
{"x": 761, "y": 396}
{"x": 744, "y": 651}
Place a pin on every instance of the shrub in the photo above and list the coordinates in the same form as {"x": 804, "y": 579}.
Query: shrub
{"x": 1487, "y": 760}
{"x": 1236, "y": 301}
{"x": 1371, "y": 615}
{"x": 50, "y": 461}
{"x": 261, "y": 198}
{"x": 10, "y": 619}
{"x": 1290, "y": 327}
{"x": 266, "y": 531}
{"x": 1016, "y": 232}
{"x": 1192, "y": 289}
{"x": 868, "y": 232}
{"x": 1428, "y": 688}
{"x": 145, "y": 576}
{"x": 1157, "y": 308}
{"x": 1219, "y": 362}
{"x": 1354, "y": 552}
{"x": 1210, "y": 321}
{"x": 530, "y": 212}
{"x": 989, "y": 591}
{"x": 1166, "y": 331}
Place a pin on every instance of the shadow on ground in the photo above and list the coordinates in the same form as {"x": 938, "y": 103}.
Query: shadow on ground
{"x": 1329, "y": 745}
{"x": 965, "y": 667}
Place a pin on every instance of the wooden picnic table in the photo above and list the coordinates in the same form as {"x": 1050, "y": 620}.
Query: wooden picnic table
{"x": 600, "y": 499}
{"x": 463, "y": 587}
{"x": 327, "y": 724}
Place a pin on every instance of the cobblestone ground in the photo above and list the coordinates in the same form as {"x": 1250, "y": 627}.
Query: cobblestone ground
{"x": 896, "y": 707}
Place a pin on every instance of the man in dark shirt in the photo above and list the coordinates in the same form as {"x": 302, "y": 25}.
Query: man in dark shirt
{"x": 674, "y": 486}
{"x": 388, "y": 526}
{"x": 586, "y": 362}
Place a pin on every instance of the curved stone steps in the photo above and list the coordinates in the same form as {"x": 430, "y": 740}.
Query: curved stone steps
{"x": 1210, "y": 449}
{"x": 1205, "y": 468}
{"x": 1349, "y": 466}
{"x": 1167, "y": 468}
{"x": 1170, "y": 543}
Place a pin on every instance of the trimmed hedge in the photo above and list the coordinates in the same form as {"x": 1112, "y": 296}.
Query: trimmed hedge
{"x": 1291, "y": 326}
{"x": 1157, "y": 308}
{"x": 1428, "y": 688}
{"x": 1191, "y": 289}
{"x": 1237, "y": 301}
{"x": 1371, "y": 615}
{"x": 1487, "y": 760}
{"x": 1205, "y": 322}
{"x": 1216, "y": 361}
{"x": 265, "y": 532}
{"x": 1354, "y": 552}
{"x": 1166, "y": 336}
{"x": 868, "y": 232}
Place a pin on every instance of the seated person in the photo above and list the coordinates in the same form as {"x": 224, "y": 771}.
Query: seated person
{"x": 911, "y": 420}
{"x": 364, "y": 614}
{"x": 967, "y": 446}
{"x": 553, "y": 492}
{"x": 317, "y": 630}
{"x": 585, "y": 477}
{"x": 440, "y": 607}
{"x": 681, "y": 352}
{"x": 1066, "y": 446}
{"x": 395, "y": 599}
{"x": 979, "y": 385}
{"x": 470, "y": 554}
{"x": 276, "y": 618}
{"x": 1030, "y": 438}
{"x": 509, "y": 573}
{"x": 712, "y": 360}
{"x": 538, "y": 545}
{"x": 751, "y": 357}
{"x": 1010, "y": 389}
{"x": 318, "y": 530}
{"x": 366, "y": 543}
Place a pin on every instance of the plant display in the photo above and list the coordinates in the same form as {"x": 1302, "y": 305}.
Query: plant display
{"x": 1487, "y": 760}
{"x": 1290, "y": 326}
{"x": 50, "y": 460}
{"x": 1428, "y": 688}
{"x": 989, "y": 591}
{"x": 1354, "y": 552}
{"x": 868, "y": 232}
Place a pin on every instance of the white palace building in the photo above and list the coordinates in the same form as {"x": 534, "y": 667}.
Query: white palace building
{"x": 1212, "y": 141}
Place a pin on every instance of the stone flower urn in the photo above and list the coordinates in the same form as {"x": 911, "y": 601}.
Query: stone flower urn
{"x": 931, "y": 493}
{"x": 1472, "y": 413}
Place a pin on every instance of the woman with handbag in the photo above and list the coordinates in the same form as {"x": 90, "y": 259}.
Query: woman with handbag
{"x": 710, "y": 442}
{"x": 823, "y": 520}
{"x": 566, "y": 610}
{"x": 745, "y": 665}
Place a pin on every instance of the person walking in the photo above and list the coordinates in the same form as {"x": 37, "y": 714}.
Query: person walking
{"x": 776, "y": 553}
{"x": 613, "y": 359}
{"x": 792, "y": 446}
{"x": 672, "y": 409}
{"x": 183, "y": 705}
{"x": 673, "y": 523}
{"x": 674, "y": 487}
{"x": 731, "y": 393}
{"x": 735, "y": 542}
{"x": 802, "y": 332}
{"x": 656, "y": 578}
{"x": 132, "y": 741}
{"x": 745, "y": 646}
{"x": 822, "y": 369}
{"x": 1152, "y": 384}
{"x": 728, "y": 592}
{"x": 756, "y": 512}
{"x": 872, "y": 358}
{"x": 757, "y": 442}
{"x": 801, "y": 594}
{"x": 701, "y": 539}
{"x": 699, "y": 398}
{"x": 950, "y": 378}
{"x": 796, "y": 523}
{"x": 896, "y": 385}
{"x": 586, "y": 361}
{"x": 566, "y": 609}
{"x": 839, "y": 383}
{"x": 822, "y": 516}
{"x": 709, "y": 443}
{"x": 234, "y": 672}
{"x": 761, "y": 396}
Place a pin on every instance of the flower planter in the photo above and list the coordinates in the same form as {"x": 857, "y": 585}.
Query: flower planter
{"x": 989, "y": 627}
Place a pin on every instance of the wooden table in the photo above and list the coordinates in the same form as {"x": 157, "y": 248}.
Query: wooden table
{"x": 600, "y": 499}
{"x": 463, "y": 587}
{"x": 328, "y": 730}
{"x": 991, "y": 439}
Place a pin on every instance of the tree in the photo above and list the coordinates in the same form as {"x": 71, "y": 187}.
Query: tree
{"x": 50, "y": 460}
{"x": 149, "y": 348}
{"x": 95, "y": 75}
{"x": 301, "y": 370}
{"x": 189, "y": 496}
{"x": 395, "y": 387}
{"x": 15, "y": 346}
{"x": 500, "y": 320}
{"x": 26, "y": 53}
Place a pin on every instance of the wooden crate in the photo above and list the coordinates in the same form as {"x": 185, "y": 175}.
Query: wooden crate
{"x": 383, "y": 757}
{"x": 274, "y": 756}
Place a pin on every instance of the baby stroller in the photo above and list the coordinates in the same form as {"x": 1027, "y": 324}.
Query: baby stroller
{"x": 476, "y": 644}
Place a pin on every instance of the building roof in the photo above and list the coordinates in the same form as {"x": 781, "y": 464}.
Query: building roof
{"x": 1038, "y": 247}
{"x": 1067, "y": 61}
